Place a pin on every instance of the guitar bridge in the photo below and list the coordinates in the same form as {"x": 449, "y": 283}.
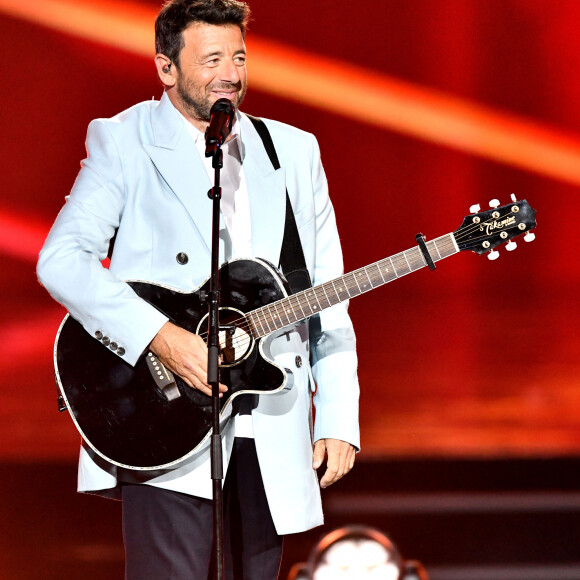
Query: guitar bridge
{"x": 163, "y": 377}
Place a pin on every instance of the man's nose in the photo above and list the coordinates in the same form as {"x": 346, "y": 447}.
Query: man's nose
{"x": 229, "y": 72}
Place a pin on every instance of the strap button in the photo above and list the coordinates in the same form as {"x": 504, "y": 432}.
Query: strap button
{"x": 298, "y": 361}
{"x": 182, "y": 258}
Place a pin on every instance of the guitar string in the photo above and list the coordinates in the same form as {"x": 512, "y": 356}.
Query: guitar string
{"x": 276, "y": 320}
{"x": 302, "y": 301}
{"x": 301, "y": 298}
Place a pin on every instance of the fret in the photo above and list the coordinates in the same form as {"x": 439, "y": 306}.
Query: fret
{"x": 380, "y": 269}
{"x": 258, "y": 313}
{"x": 401, "y": 267}
{"x": 417, "y": 259}
{"x": 296, "y": 299}
{"x": 302, "y": 302}
{"x": 270, "y": 320}
{"x": 279, "y": 317}
{"x": 330, "y": 303}
{"x": 430, "y": 245}
{"x": 325, "y": 294}
{"x": 314, "y": 307}
{"x": 448, "y": 244}
{"x": 342, "y": 292}
{"x": 361, "y": 275}
{"x": 306, "y": 302}
{"x": 289, "y": 311}
{"x": 321, "y": 297}
{"x": 330, "y": 294}
{"x": 388, "y": 273}
{"x": 393, "y": 269}
{"x": 350, "y": 283}
{"x": 327, "y": 288}
{"x": 375, "y": 277}
{"x": 332, "y": 287}
{"x": 354, "y": 277}
{"x": 252, "y": 319}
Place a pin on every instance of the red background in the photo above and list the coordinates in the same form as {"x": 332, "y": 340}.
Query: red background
{"x": 476, "y": 359}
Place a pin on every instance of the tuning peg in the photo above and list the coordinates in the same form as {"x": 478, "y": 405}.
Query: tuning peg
{"x": 494, "y": 203}
{"x": 493, "y": 255}
{"x": 529, "y": 237}
{"x": 514, "y": 198}
{"x": 474, "y": 208}
{"x": 511, "y": 246}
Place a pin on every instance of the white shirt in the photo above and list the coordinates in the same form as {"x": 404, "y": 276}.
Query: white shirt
{"x": 235, "y": 203}
{"x": 235, "y": 208}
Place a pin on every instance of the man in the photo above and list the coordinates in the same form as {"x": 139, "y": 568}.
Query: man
{"x": 145, "y": 181}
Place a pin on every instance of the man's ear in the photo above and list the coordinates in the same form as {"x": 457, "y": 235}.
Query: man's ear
{"x": 165, "y": 70}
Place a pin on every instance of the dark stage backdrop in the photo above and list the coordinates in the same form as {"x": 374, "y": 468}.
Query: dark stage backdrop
{"x": 476, "y": 359}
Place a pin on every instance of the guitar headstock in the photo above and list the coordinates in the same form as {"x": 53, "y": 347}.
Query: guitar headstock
{"x": 483, "y": 231}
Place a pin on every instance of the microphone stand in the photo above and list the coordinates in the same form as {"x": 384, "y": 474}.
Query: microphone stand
{"x": 213, "y": 372}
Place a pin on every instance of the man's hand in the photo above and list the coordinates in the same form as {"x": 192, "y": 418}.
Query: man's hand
{"x": 185, "y": 354}
{"x": 339, "y": 462}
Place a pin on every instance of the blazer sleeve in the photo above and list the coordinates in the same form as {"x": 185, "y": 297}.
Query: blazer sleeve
{"x": 70, "y": 266}
{"x": 332, "y": 338}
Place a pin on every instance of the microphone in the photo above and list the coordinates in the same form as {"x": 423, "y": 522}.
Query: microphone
{"x": 220, "y": 125}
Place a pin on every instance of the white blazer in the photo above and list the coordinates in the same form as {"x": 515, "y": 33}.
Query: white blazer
{"x": 143, "y": 178}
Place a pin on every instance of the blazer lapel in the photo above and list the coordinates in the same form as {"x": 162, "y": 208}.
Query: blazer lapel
{"x": 267, "y": 195}
{"x": 176, "y": 158}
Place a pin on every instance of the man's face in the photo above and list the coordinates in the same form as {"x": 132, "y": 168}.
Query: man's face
{"x": 212, "y": 66}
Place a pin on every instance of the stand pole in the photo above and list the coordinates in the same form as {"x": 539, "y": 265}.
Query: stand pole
{"x": 213, "y": 375}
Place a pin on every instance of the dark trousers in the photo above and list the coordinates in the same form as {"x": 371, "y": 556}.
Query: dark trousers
{"x": 168, "y": 535}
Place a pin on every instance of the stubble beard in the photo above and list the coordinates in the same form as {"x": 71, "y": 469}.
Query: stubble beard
{"x": 199, "y": 108}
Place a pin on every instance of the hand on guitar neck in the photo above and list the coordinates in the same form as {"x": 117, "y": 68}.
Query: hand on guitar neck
{"x": 185, "y": 354}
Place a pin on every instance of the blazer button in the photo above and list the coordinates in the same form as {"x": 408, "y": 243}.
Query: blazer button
{"x": 298, "y": 361}
{"x": 99, "y": 335}
{"x": 182, "y": 258}
{"x": 113, "y": 346}
{"x": 120, "y": 351}
{"x": 106, "y": 340}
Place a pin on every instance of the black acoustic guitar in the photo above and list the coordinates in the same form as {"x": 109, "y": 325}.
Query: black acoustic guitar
{"x": 145, "y": 418}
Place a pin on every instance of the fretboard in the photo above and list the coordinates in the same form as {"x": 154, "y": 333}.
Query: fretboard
{"x": 302, "y": 305}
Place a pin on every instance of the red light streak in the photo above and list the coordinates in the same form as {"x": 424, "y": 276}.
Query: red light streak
{"x": 313, "y": 80}
{"x": 21, "y": 237}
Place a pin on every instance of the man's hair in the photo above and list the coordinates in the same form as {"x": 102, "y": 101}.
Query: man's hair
{"x": 177, "y": 15}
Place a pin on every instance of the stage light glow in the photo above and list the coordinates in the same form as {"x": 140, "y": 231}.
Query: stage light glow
{"x": 340, "y": 88}
{"x": 30, "y": 338}
{"x": 124, "y": 25}
{"x": 355, "y": 553}
{"x": 21, "y": 237}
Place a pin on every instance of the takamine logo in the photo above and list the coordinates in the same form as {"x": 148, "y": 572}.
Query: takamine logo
{"x": 498, "y": 224}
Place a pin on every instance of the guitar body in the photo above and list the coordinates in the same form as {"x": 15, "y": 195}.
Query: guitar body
{"x": 120, "y": 410}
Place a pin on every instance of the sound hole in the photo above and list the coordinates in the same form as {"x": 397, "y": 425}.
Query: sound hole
{"x": 235, "y": 342}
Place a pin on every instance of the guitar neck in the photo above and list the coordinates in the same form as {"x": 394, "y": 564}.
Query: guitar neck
{"x": 302, "y": 305}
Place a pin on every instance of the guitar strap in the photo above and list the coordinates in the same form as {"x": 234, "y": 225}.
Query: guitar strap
{"x": 292, "y": 262}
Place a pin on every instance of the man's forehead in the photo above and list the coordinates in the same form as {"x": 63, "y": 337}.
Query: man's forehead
{"x": 202, "y": 33}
